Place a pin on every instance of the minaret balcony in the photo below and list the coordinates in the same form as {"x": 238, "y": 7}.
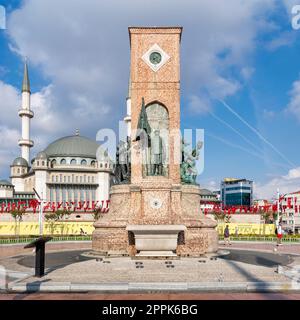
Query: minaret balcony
{"x": 127, "y": 118}
{"x": 26, "y": 142}
{"x": 26, "y": 112}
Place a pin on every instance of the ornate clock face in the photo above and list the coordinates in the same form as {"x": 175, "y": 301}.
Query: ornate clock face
{"x": 155, "y": 57}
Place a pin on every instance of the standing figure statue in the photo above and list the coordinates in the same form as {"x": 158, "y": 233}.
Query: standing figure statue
{"x": 143, "y": 136}
{"x": 122, "y": 174}
{"x": 156, "y": 154}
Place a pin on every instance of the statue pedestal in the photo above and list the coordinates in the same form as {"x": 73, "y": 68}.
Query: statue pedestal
{"x": 156, "y": 240}
{"x": 155, "y": 216}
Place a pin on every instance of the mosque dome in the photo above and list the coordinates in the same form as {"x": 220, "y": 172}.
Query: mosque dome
{"x": 41, "y": 156}
{"x": 5, "y": 183}
{"x": 72, "y": 146}
{"x": 20, "y": 162}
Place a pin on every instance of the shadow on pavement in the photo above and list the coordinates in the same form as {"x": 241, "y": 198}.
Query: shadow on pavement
{"x": 264, "y": 259}
{"x": 55, "y": 260}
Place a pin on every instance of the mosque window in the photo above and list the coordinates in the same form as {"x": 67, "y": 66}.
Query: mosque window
{"x": 51, "y": 194}
{"x": 83, "y": 162}
{"x": 52, "y": 178}
{"x": 93, "y": 163}
{"x": 70, "y": 192}
{"x": 64, "y": 195}
{"x": 65, "y": 178}
{"x": 18, "y": 170}
{"x": 53, "y": 163}
{"x": 63, "y": 161}
{"x": 69, "y": 179}
{"x": 73, "y": 161}
{"x": 76, "y": 178}
{"x": 43, "y": 163}
{"x": 93, "y": 179}
{"x": 88, "y": 179}
{"x": 37, "y": 163}
{"x": 80, "y": 179}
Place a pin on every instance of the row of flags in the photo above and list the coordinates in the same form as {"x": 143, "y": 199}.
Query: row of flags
{"x": 90, "y": 206}
{"x": 34, "y": 206}
{"x": 284, "y": 204}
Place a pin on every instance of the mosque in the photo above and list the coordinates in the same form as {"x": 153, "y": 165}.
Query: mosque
{"x": 71, "y": 169}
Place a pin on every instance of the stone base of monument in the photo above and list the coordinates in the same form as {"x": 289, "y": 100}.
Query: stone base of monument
{"x": 153, "y": 217}
{"x": 156, "y": 240}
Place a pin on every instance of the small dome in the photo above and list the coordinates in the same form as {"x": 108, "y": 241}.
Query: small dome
{"x": 41, "y": 156}
{"x": 206, "y": 192}
{"x": 5, "y": 183}
{"x": 20, "y": 162}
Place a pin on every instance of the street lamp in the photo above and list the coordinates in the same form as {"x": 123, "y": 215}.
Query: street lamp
{"x": 278, "y": 198}
{"x": 40, "y": 212}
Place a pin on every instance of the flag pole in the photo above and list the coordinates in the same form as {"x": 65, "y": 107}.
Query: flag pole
{"x": 278, "y": 199}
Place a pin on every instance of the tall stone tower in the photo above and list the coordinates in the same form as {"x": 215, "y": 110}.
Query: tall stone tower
{"x": 155, "y": 76}
{"x": 154, "y": 214}
{"x": 26, "y": 114}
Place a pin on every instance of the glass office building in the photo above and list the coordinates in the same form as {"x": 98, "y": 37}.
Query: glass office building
{"x": 236, "y": 192}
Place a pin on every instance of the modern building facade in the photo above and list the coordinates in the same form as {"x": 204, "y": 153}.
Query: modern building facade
{"x": 290, "y": 211}
{"x": 236, "y": 192}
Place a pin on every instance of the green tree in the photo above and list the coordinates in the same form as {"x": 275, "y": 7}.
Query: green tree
{"x": 55, "y": 217}
{"x": 17, "y": 215}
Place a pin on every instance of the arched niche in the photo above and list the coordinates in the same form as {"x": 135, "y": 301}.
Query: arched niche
{"x": 158, "y": 118}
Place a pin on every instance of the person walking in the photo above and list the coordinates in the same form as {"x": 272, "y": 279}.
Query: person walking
{"x": 226, "y": 235}
{"x": 236, "y": 231}
{"x": 279, "y": 234}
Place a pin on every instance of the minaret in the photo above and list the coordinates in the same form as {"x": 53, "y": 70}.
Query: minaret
{"x": 26, "y": 114}
{"x": 127, "y": 119}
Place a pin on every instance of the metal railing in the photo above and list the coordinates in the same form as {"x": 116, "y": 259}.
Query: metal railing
{"x": 262, "y": 239}
{"x": 54, "y": 239}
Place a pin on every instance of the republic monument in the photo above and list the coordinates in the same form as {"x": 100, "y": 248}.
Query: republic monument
{"x": 155, "y": 201}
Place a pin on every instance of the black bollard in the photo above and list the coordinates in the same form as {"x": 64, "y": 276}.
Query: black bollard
{"x": 39, "y": 245}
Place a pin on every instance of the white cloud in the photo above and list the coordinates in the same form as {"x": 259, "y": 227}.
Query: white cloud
{"x": 8, "y": 138}
{"x": 82, "y": 48}
{"x": 247, "y": 72}
{"x": 286, "y": 38}
{"x": 293, "y": 174}
{"x": 286, "y": 183}
{"x": 294, "y": 103}
{"x": 201, "y": 105}
{"x": 10, "y": 103}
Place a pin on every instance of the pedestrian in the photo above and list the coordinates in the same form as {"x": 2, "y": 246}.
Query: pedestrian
{"x": 236, "y": 231}
{"x": 279, "y": 234}
{"x": 226, "y": 235}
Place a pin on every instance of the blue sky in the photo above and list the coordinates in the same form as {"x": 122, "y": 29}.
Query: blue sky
{"x": 246, "y": 53}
